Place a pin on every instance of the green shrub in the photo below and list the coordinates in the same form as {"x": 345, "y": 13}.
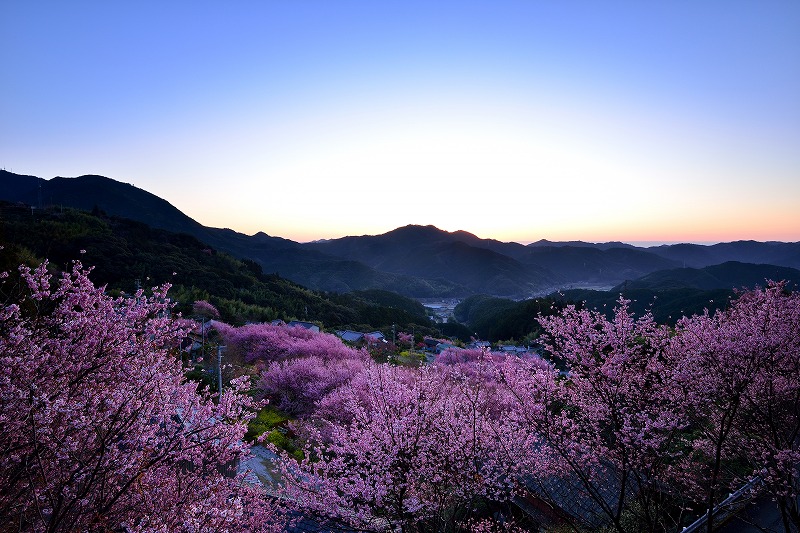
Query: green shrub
{"x": 267, "y": 420}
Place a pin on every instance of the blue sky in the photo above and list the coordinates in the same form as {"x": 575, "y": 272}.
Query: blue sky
{"x": 633, "y": 121}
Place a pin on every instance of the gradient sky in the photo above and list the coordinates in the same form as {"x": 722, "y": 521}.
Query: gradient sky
{"x": 637, "y": 121}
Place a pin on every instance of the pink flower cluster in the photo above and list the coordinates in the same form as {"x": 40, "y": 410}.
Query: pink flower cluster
{"x": 99, "y": 429}
{"x": 636, "y": 421}
{"x": 299, "y": 366}
{"x": 641, "y": 422}
{"x": 204, "y": 309}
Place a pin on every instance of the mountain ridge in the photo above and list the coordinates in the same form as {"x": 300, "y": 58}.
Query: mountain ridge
{"x": 414, "y": 260}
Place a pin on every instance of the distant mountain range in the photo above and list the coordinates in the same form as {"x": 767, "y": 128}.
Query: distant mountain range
{"x": 417, "y": 261}
{"x": 727, "y": 275}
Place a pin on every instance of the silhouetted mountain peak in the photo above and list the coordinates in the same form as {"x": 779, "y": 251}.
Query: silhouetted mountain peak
{"x": 415, "y": 232}
{"x": 416, "y": 260}
{"x": 542, "y": 242}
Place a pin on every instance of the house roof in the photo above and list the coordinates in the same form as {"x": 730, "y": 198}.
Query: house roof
{"x": 570, "y": 496}
{"x": 308, "y": 523}
{"x": 442, "y": 346}
{"x": 307, "y": 325}
{"x": 350, "y": 336}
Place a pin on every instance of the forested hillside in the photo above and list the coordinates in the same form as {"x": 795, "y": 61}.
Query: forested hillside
{"x": 499, "y": 319}
{"x": 125, "y": 253}
{"x": 668, "y": 294}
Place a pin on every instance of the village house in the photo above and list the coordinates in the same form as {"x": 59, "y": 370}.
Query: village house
{"x": 350, "y": 336}
{"x": 355, "y": 337}
{"x": 300, "y": 324}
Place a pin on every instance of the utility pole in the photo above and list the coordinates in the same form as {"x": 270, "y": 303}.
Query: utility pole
{"x": 203, "y": 331}
{"x": 219, "y": 368}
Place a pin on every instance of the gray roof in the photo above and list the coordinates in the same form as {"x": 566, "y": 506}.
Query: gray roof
{"x": 350, "y": 336}
{"x": 570, "y": 495}
{"x": 307, "y": 325}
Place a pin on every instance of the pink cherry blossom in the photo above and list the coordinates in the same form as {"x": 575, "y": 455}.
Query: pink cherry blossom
{"x": 99, "y": 429}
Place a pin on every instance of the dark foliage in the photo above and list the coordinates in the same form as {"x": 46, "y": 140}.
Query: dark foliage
{"x": 127, "y": 254}
{"x": 667, "y": 306}
{"x": 496, "y": 319}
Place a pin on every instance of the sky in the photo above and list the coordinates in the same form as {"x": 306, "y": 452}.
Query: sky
{"x": 656, "y": 121}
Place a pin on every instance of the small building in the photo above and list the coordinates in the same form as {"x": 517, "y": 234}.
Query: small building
{"x": 350, "y": 336}
{"x": 430, "y": 343}
{"x": 562, "y": 500}
{"x": 442, "y": 346}
{"x": 510, "y": 349}
{"x": 483, "y": 346}
{"x": 300, "y": 324}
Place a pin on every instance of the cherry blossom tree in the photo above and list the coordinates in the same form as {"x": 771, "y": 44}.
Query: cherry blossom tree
{"x": 98, "y": 429}
{"x": 607, "y": 424}
{"x": 739, "y": 372}
{"x": 297, "y": 366}
{"x": 267, "y": 343}
{"x": 202, "y": 308}
{"x": 407, "y": 449}
{"x": 770, "y": 435}
{"x": 296, "y": 385}
{"x": 406, "y": 339}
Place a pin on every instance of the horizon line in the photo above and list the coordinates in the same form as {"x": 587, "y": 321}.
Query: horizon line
{"x": 638, "y": 243}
